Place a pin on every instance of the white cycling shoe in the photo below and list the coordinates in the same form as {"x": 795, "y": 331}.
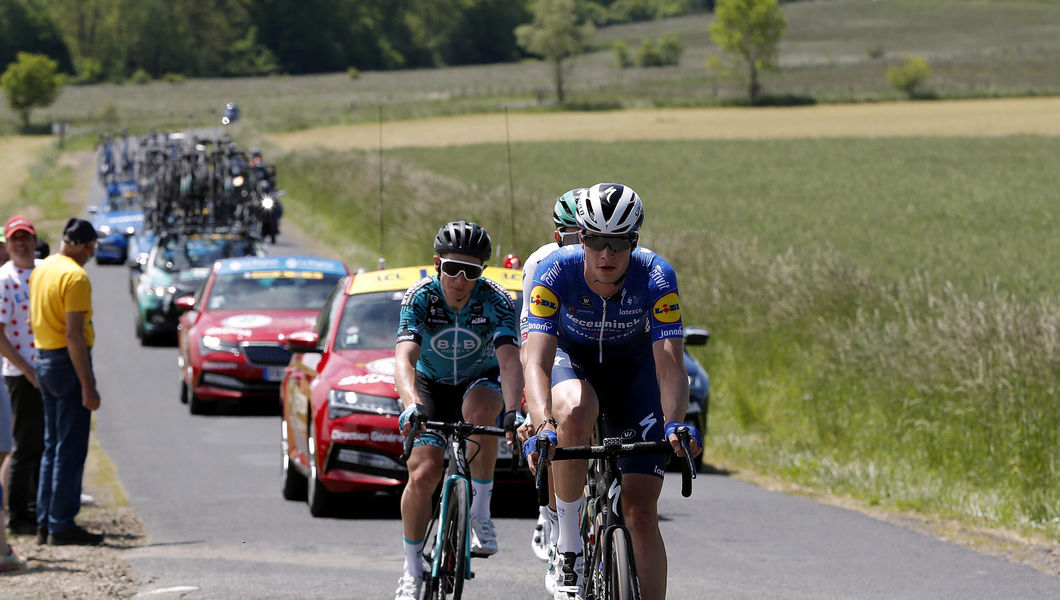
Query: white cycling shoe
{"x": 552, "y": 570}
{"x": 408, "y": 587}
{"x": 569, "y": 586}
{"x": 539, "y": 542}
{"x": 483, "y": 537}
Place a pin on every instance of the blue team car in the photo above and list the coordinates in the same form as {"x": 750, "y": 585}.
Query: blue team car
{"x": 119, "y": 217}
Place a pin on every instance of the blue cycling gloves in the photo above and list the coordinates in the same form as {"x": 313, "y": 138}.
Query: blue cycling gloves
{"x": 530, "y": 446}
{"x": 693, "y": 432}
{"x": 407, "y": 414}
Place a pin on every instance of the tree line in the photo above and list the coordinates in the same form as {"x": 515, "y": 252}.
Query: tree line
{"x": 113, "y": 40}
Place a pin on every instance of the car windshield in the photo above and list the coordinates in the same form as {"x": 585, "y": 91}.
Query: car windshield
{"x": 179, "y": 254}
{"x": 122, "y": 203}
{"x": 271, "y": 290}
{"x": 369, "y": 321}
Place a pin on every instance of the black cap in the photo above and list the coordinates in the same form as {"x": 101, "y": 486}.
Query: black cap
{"x": 79, "y": 231}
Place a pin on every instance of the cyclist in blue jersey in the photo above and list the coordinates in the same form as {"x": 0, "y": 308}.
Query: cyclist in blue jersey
{"x": 456, "y": 358}
{"x": 605, "y": 338}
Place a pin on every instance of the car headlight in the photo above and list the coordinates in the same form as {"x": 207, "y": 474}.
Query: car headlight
{"x": 104, "y": 229}
{"x": 161, "y": 290}
{"x": 212, "y": 343}
{"x": 343, "y": 402}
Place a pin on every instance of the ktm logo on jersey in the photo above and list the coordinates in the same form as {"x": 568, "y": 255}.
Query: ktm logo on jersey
{"x": 667, "y": 309}
{"x": 543, "y": 302}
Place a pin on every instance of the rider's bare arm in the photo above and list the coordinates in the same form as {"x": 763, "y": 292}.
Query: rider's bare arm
{"x": 673, "y": 383}
{"x": 405, "y": 356}
{"x": 540, "y": 353}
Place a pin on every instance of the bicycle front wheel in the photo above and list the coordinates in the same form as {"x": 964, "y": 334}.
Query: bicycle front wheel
{"x": 452, "y": 545}
{"x": 622, "y": 576}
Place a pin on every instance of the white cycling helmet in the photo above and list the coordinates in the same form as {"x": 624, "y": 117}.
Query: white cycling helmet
{"x": 610, "y": 209}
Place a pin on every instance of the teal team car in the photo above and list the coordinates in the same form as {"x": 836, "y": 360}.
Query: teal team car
{"x": 119, "y": 217}
{"x": 176, "y": 266}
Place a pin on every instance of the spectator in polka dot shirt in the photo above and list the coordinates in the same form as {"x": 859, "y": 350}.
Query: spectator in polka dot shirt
{"x": 16, "y": 347}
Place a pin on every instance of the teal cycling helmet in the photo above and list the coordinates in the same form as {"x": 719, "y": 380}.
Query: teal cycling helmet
{"x": 564, "y": 214}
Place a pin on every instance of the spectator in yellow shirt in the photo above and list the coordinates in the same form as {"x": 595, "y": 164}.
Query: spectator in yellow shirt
{"x": 60, "y": 304}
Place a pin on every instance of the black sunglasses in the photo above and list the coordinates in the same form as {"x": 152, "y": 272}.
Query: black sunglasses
{"x": 452, "y": 268}
{"x": 599, "y": 242}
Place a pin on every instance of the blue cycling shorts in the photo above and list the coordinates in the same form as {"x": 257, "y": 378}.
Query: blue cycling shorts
{"x": 628, "y": 390}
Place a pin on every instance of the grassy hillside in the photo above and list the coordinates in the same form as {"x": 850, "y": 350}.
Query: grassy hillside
{"x": 886, "y": 312}
{"x": 834, "y": 50}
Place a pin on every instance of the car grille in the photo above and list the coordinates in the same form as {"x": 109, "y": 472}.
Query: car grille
{"x": 364, "y": 460}
{"x": 266, "y": 354}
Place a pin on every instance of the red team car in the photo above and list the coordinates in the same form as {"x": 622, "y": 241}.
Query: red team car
{"x": 231, "y": 335}
{"x": 340, "y": 407}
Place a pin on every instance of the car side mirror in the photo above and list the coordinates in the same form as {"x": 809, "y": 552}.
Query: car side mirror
{"x": 303, "y": 341}
{"x": 184, "y": 303}
{"x": 695, "y": 336}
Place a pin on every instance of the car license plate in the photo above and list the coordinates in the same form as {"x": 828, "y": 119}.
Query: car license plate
{"x": 274, "y": 373}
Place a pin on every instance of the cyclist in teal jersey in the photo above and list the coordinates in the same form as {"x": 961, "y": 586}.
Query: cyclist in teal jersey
{"x": 456, "y": 358}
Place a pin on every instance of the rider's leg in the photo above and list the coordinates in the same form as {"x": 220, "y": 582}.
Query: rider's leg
{"x": 640, "y": 499}
{"x": 574, "y": 407}
{"x": 425, "y": 471}
{"x": 481, "y": 406}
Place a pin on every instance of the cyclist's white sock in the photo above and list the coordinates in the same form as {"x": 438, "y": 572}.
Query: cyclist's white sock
{"x": 553, "y": 518}
{"x": 569, "y": 513}
{"x": 413, "y": 556}
{"x": 481, "y": 492}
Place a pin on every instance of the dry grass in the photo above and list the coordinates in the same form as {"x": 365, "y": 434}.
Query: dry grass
{"x": 17, "y": 154}
{"x": 906, "y": 119}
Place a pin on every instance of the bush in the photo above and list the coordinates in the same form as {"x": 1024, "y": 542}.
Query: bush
{"x": 665, "y": 51}
{"x": 353, "y": 73}
{"x": 173, "y": 78}
{"x": 622, "y": 56}
{"x": 140, "y": 77}
{"x": 910, "y": 76}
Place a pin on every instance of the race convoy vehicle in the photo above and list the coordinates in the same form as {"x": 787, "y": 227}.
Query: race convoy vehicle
{"x": 340, "y": 408}
{"x": 177, "y": 266}
{"x": 231, "y": 334}
{"x": 120, "y": 216}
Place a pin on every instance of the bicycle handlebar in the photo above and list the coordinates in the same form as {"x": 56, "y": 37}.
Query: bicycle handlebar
{"x": 460, "y": 428}
{"x": 614, "y": 448}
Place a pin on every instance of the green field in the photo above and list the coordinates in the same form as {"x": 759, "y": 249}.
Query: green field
{"x": 886, "y": 312}
{"x": 834, "y": 50}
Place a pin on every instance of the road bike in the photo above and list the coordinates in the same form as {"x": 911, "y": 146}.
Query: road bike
{"x": 610, "y": 570}
{"x": 450, "y": 558}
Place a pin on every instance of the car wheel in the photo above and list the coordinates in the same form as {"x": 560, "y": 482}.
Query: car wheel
{"x": 294, "y": 483}
{"x": 318, "y": 497}
{"x": 195, "y": 404}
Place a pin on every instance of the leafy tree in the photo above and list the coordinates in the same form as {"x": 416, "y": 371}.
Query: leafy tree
{"x": 910, "y": 75}
{"x": 750, "y": 30}
{"x": 555, "y": 34}
{"x": 25, "y": 26}
{"x": 29, "y": 82}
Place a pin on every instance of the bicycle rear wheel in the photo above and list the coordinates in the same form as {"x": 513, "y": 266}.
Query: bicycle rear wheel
{"x": 622, "y": 576}
{"x": 452, "y": 545}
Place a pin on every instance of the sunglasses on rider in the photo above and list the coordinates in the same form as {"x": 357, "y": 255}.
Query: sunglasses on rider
{"x": 452, "y": 268}
{"x": 567, "y": 238}
{"x": 599, "y": 242}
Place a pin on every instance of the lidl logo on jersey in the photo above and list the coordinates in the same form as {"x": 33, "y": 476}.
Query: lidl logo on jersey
{"x": 455, "y": 343}
{"x": 543, "y": 302}
{"x": 667, "y": 309}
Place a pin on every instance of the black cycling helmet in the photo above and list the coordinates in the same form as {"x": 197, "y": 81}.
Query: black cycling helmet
{"x": 463, "y": 237}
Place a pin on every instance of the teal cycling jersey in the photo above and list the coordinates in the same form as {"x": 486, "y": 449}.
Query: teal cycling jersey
{"x": 457, "y": 347}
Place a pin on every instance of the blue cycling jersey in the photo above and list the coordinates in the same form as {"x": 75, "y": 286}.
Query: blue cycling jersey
{"x": 645, "y": 310}
{"x": 455, "y": 348}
